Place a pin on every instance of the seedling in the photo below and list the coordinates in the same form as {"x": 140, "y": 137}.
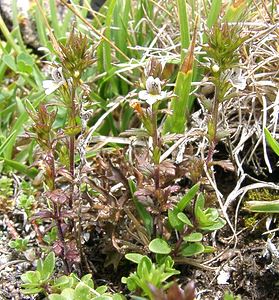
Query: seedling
{"x": 149, "y": 273}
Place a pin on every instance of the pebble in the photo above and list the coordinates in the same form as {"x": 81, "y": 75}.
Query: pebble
{"x": 4, "y": 259}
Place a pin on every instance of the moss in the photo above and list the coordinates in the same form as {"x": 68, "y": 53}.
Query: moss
{"x": 262, "y": 195}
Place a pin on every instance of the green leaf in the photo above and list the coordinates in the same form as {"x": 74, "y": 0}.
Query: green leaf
{"x": 184, "y": 201}
{"x": 192, "y": 249}
{"x": 103, "y": 297}
{"x": 214, "y": 12}
{"x": 25, "y": 63}
{"x": 101, "y": 289}
{"x": 175, "y": 222}
{"x": 193, "y": 237}
{"x": 263, "y": 206}
{"x": 144, "y": 267}
{"x": 31, "y": 277}
{"x": 48, "y": 265}
{"x": 218, "y": 224}
{"x": 31, "y": 291}
{"x": 235, "y": 11}
{"x": 30, "y": 172}
{"x": 212, "y": 214}
{"x": 183, "y": 218}
{"x": 201, "y": 217}
{"x": 184, "y": 26}
{"x": 160, "y": 246}
{"x": 10, "y": 62}
{"x": 169, "y": 274}
{"x": 82, "y": 292}
{"x": 209, "y": 249}
{"x": 180, "y": 105}
{"x": 87, "y": 279}
{"x": 134, "y": 257}
{"x": 68, "y": 294}
{"x": 63, "y": 282}
{"x": 6, "y": 142}
{"x": 118, "y": 297}
{"x": 271, "y": 141}
{"x": 200, "y": 202}
{"x": 56, "y": 297}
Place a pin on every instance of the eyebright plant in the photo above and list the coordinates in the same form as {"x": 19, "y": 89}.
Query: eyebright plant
{"x": 59, "y": 145}
{"x": 222, "y": 49}
{"x": 64, "y": 287}
{"x": 37, "y": 281}
{"x": 147, "y": 109}
{"x": 19, "y": 244}
{"x": 73, "y": 288}
{"x": 149, "y": 274}
{"x": 190, "y": 230}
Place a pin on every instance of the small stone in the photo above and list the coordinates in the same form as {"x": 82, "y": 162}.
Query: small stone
{"x": 4, "y": 259}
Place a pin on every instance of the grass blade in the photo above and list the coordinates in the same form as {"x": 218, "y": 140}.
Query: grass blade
{"x": 6, "y": 142}
{"x": 182, "y": 104}
{"x": 184, "y": 27}
{"x": 54, "y": 20}
{"x": 21, "y": 168}
{"x": 214, "y": 13}
{"x": 271, "y": 141}
{"x": 263, "y": 206}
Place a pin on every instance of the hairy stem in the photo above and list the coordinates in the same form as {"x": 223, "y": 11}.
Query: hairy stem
{"x": 57, "y": 212}
{"x": 156, "y": 148}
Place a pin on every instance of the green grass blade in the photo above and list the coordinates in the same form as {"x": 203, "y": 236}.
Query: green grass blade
{"x": 271, "y": 141}
{"x": 121, "y": 19}
{"x": 54, "y": 19}
{"x": 67, "y": 20}
{"x": 8, "y": 35}
{"x": 176, "y": 123}
{"x": 4, "y": 145}
{"x": 16, "y": 25}
{"x": 106, "y": 55}
{"x": 41, "y": 28}
{"x": 214, "y": 13}
{"x": 184, "y": 27}
{"x": 182, "y": 104}
{"x": 21, "y": 168}
{"x": 263, "y": 206}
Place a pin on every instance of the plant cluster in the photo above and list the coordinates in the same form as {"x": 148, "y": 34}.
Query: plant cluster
{"x": 146, "y": 195}
{"x": 65, "y": 287}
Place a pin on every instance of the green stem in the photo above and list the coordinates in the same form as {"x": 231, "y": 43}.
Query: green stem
{"x": 72, "y": 125}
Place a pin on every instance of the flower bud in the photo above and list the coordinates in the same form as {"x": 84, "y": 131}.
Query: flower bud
{"x": 215, "y": 68}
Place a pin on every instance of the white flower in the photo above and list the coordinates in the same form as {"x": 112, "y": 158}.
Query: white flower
{"x": 237, "y": 79}
{"x": 153, "y": 92}
{"x": 153, "y": 86}
{"x": 57, "y": 80}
